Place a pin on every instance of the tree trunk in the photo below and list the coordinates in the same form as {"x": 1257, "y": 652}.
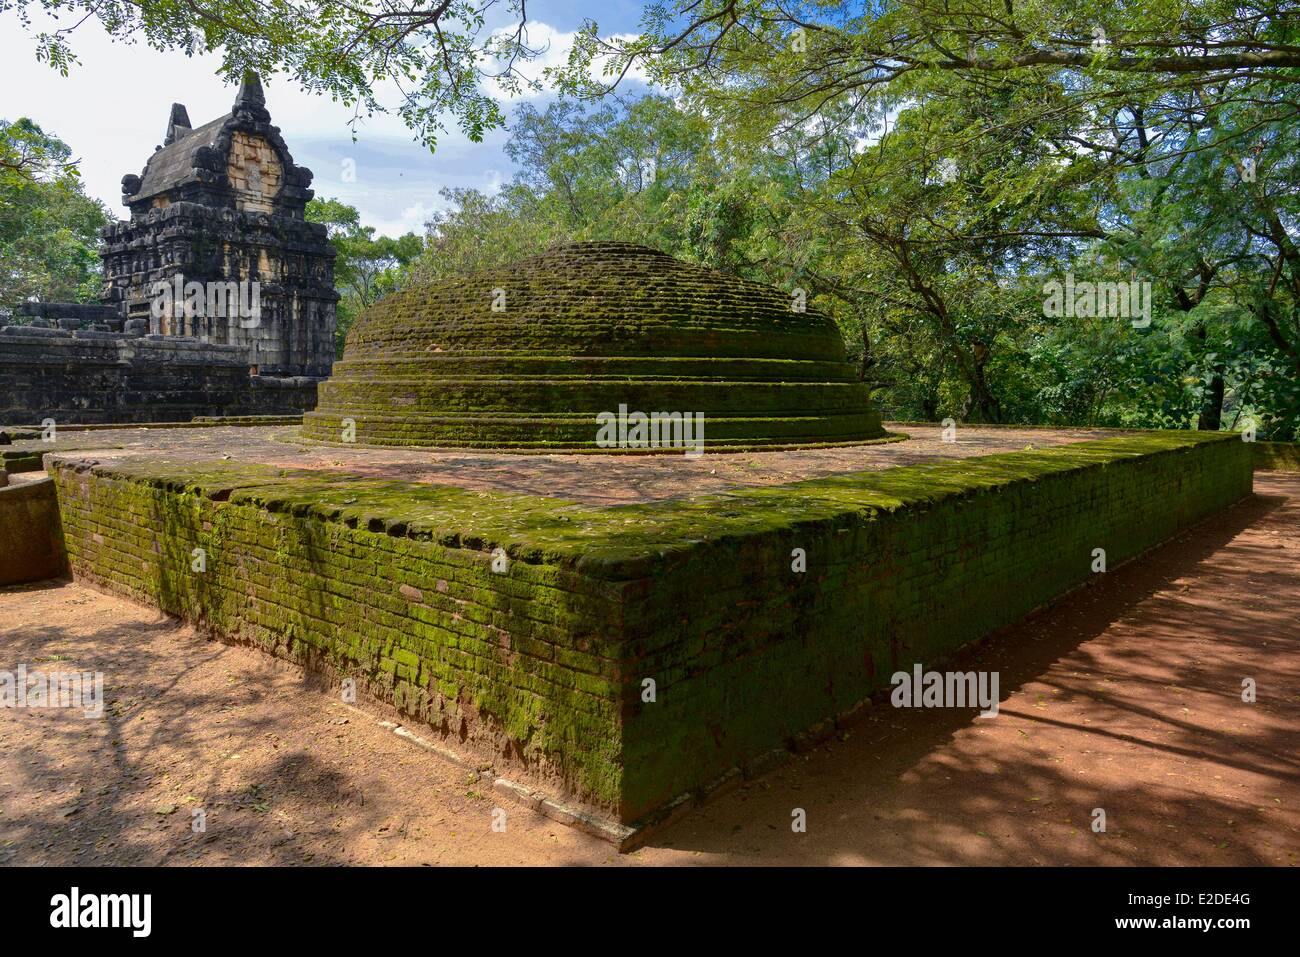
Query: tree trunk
{"x": 1211, "y": 419}
{"x": 868, "y": 357}
{"x": 981, "y": 404}
{"x": 1211, "y": 414}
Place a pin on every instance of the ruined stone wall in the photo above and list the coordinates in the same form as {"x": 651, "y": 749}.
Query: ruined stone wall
{"x": 544, "y": 659}
{"x": 254, "y": 171}
{"x": 75, "y": 315}
{"x": 31, "y": 542}
{"x": 288, "y": 257}
{"x": 87, "y": 377}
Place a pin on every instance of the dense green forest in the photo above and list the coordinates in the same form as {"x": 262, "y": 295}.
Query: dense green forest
{"x": 1051, "y": 212}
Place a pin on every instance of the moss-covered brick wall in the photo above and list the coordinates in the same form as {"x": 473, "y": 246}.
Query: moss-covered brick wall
{"x": 346, "y": 577}
{"x": 1277, "y": 456}
{"x": 528, "y": 355}
{"x": 544, "y": 663}
{"x": 904, "y": 567}
{"x": 20, "y": 460}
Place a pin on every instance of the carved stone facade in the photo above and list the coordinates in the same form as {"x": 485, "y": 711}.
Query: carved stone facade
{"x": 222, "y": 206}
{"x": 84, "y": 375}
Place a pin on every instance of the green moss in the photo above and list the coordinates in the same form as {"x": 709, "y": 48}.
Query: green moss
{"x": 1277, "y": 456}
{"x": 393, "y": 582}
{"x": 17, "y": 460}
{"x": 586, "y": 329}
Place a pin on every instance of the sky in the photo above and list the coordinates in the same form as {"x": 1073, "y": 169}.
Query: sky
{"x": 112, "y": 110}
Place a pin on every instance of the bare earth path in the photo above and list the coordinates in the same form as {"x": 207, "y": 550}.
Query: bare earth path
{"x": 1126, "y": 697}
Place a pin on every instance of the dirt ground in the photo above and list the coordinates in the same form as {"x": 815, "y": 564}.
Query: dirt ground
{"x": 1124, "y": 697}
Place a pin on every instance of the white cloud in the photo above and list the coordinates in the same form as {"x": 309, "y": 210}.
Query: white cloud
{"x": 555, "y": 45}
{"x": 493, "y": 180}
{"x": 113, "y": 106}
{"x": 412, "y": 220}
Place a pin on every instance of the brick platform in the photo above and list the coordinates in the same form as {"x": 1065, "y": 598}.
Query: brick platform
{"x": 523, "y": 627}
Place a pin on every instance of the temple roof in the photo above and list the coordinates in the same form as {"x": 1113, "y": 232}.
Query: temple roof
{"x": 190, "y": 165}
{"x": 173, "y": 165}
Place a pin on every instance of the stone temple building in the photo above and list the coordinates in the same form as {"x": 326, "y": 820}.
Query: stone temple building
{"x": 225, "y": 202}
{"x": 218, "y": 295}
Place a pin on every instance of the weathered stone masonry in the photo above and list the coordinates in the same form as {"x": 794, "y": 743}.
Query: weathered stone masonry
{"x": 225, "y": 202}
{"x": 221, "y": 206}
{"x": 541, "y": 667}
{"x": 88, "y": 377}
{"x": 31, "y": 547}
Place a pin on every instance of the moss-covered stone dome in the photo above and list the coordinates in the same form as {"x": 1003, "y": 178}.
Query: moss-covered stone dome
{"x": 527, "y": 357}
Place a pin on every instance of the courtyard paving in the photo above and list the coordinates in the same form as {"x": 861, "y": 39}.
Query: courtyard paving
{"x": 601, "y": 479}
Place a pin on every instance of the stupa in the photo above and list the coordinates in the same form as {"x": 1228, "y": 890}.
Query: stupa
{"x": 537, "y": 354}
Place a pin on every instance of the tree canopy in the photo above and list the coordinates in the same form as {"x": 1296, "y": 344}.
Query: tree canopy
{"x": 425, "y": 62}
{"x": 49, "y": 227}
{"x": 972, "y": 152}
{"x": 366, "y": 267}
{"x": 926, "y": 171}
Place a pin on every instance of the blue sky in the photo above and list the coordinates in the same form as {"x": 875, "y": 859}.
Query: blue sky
{"x": 112, "y": 110}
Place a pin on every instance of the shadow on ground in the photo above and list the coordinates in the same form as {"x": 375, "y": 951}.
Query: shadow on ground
{"x": 123, "y": 788}
{"x": 1126, "y": 697}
